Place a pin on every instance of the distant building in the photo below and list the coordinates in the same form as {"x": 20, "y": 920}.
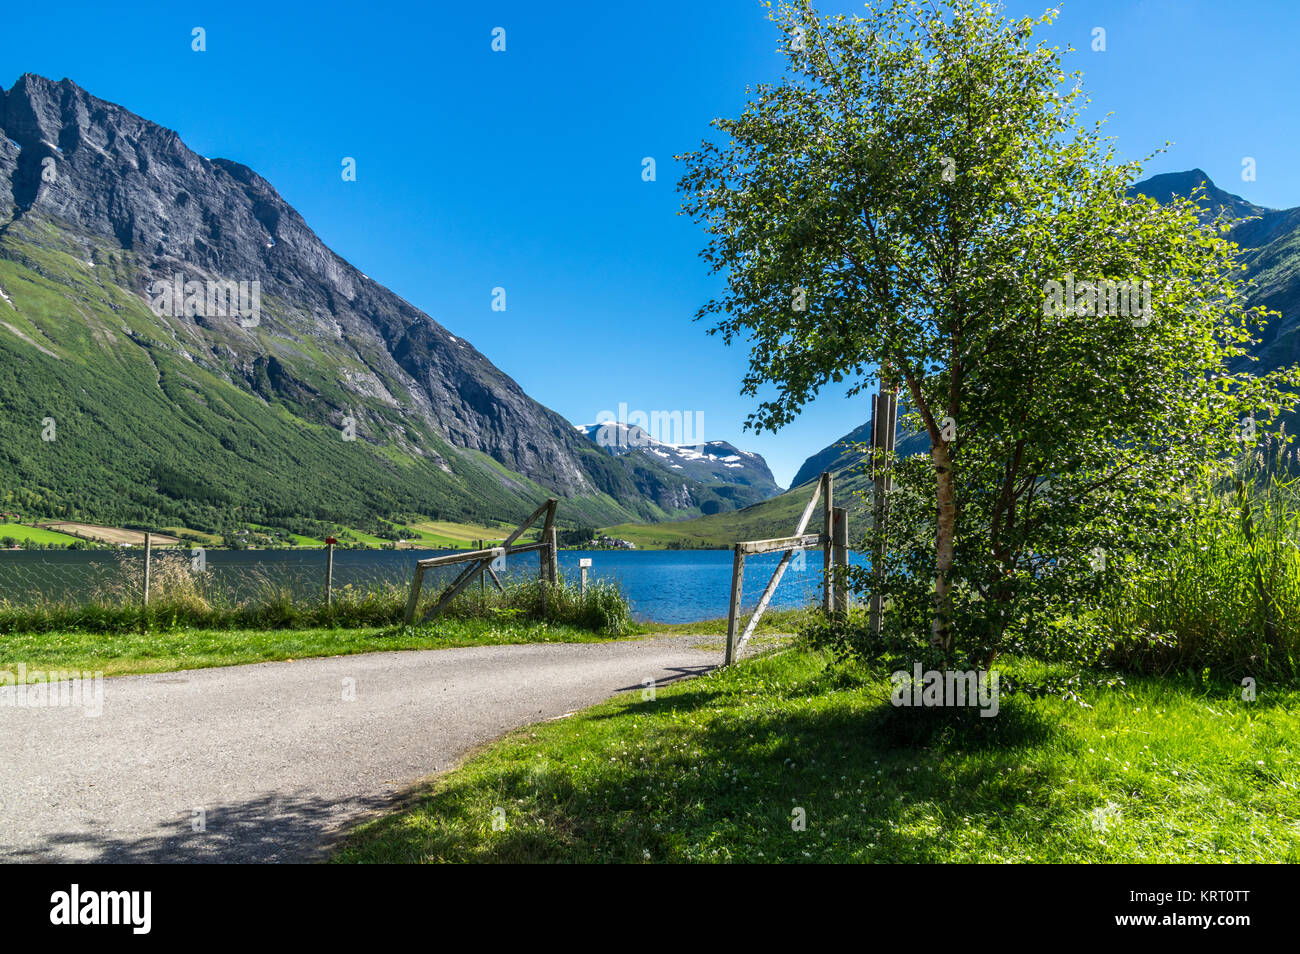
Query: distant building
{"x": 614, "y": 543}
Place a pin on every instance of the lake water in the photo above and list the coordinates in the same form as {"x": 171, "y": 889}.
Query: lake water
{"x": 667, "y": 586}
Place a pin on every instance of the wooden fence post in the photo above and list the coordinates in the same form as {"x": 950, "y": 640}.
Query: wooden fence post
{"x": 329, "y": 575}
{"x": 737, "y": 588}
{"x": 548, "y": 555}
{"x": 148, "y": 556}
{"x": 413, "y": 600}
{"x": 828, "y": 559}
{"x": 552, "y": 557}
{"x": 480, "y": 562}
{"x": 543, "y": 564}
{"x": 841, "y": 534}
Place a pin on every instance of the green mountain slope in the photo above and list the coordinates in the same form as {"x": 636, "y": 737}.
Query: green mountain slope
{"x": 338, "y": 403}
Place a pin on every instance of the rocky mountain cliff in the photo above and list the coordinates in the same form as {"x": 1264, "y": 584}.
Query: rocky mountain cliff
{"x": 337, "y": 395}
{"x": 740, "y": 476}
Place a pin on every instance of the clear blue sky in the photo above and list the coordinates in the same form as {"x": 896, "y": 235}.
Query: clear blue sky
{"x": 523, "y": 169}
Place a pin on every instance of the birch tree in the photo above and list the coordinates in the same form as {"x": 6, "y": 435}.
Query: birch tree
{"x": 918, "y": 193}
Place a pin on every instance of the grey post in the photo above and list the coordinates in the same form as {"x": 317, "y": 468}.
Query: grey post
{"x": 828, "y": 560}
{"x": 329, "y": 574}
{"x": 148, "y": 552}
{"x": 413, "y": 600}
{"x": 841, "y": 532}
{"x": 482, "y": 578}
{"x": 737, "y": 588}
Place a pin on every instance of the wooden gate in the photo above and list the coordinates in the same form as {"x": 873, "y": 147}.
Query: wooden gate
{"x": 833, "y": 541}
{"x": 480, "y": 562}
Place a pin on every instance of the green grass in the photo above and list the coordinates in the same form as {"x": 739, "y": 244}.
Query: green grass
{"x": 36, "y": 534}
{"x": 348, "y": 535}
{"x": 117, "y": 654}
{"x": 774, "y": 621}
{"x": 1165, "y": 770}
{"x": 1225, "y": 593}
{"x": 184, "y": 629}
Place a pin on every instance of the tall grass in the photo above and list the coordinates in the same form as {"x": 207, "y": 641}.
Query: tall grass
{"x": 1225, "y": 594}
{"x": 180, "y": 598}
{"x": 602, "y": 609}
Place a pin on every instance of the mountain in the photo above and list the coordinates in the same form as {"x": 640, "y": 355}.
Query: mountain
{"x": 778, "y": 516}
{"x": 1164, "y": 187}
{"x": 834, "y": 458}
{"x": 844, "y": 455}
{"x": 133, "y": 387}
{"x": 1270, "y": 243}
{"x": 739, "y": 476}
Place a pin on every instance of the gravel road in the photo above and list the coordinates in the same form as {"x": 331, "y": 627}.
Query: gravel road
{"x": 264, "y": 763}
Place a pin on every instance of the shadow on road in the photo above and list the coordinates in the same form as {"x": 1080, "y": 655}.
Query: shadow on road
{"x": 678, "y": 674}
{"x": 271, "y": 828}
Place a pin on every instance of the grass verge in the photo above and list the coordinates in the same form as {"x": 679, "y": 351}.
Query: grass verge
{"x": 117, "y": 654}
{"x": 773, "y": 622}
{"x": 714, "y": 769}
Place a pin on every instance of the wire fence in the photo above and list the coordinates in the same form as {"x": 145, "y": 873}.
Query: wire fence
{"x": 665, "y": 586}
{"x": 219, "y": 578}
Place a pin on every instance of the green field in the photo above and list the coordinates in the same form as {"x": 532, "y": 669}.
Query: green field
{"x": 205, "y": 539}
{"x": 794, "y": 758}
{"x": 25, "y": 533}
{"x": 444, "y": 533}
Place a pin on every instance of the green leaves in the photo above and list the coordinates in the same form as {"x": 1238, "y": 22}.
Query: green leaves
{"x": 925, "y": 181}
